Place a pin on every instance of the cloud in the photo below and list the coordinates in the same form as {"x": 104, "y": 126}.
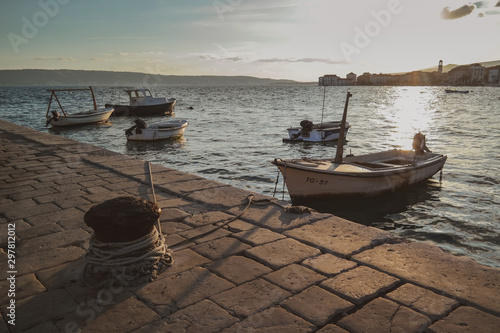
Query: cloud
{"x": 465, "y": 10}
{"x": 306, "y": 60}
{"x": 485, "y": 8}
{"x": 213, "y": 57}
{"x": 54, "y": 59}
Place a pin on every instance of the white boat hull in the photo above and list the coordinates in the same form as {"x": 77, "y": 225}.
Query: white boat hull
{"x": 161, "y": 131}
{"x": 81, "y": 118}
{"x": 320, "y": 133}
{"x": 364, "y": 176}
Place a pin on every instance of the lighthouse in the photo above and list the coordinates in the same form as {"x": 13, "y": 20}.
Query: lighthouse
{"x": 440, "y": 67}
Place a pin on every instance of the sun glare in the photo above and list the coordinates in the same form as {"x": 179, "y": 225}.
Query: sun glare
{"x": 409, "y": 114}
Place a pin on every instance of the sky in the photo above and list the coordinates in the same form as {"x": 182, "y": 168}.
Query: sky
{"x": 280, "y": 39}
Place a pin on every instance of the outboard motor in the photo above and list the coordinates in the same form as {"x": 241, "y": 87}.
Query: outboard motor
{"x": 138, "y": 127}
{"x": 55, "y": 116}
{"x": 419, "y": 144}
{"x": 307, "y": 127}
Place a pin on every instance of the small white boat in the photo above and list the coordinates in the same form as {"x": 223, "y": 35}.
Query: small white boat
{"x": 172, "y": 129}
{"x": 56, "y": 119}
{"x": 358, "y": 176}
{"x": 309, "y": 132}
{"x": 142, "y": 103}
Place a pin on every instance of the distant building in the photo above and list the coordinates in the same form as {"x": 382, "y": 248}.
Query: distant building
{"x": 364, "y": 79}
{"x": 351, "y": 78}
{"x": 334, "y": 80}
{"x": 477, "y": 73}
{"x": 493, "y": 75}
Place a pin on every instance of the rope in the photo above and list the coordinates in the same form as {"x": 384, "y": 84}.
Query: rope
{"x": 224, "y": 223}
{"x": 126, "y": 263}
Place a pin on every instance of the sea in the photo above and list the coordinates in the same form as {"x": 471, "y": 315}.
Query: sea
{"x": 235, "y": 132}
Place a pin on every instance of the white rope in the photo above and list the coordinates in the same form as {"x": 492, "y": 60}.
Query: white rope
{"x": 128, "y": 263}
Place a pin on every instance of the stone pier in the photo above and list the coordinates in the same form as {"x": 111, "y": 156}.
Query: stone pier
{"x": 239, "y": 267}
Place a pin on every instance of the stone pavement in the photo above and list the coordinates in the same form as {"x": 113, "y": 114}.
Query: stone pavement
{"x": 273, "y": 269}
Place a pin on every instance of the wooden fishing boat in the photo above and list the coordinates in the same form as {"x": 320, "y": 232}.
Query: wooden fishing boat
{"x": 142, "y": 103}
{"x": 172, "y": 129}
{"x": 358, "y": 176}
{"x": 54, "y": 118}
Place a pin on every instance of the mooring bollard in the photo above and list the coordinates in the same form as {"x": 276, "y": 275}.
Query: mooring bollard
{"x": 126, "y": 248}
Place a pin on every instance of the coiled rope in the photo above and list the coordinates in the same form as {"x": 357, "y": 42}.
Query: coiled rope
{"x": 126, "y": 263}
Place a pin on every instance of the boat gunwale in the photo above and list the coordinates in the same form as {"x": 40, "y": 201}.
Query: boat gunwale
{"x": 370, "y": 173}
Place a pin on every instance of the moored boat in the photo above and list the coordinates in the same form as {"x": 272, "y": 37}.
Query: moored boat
{"x": 358, "y": 176}
{"x": 172, "y": 129}
{"x": 450, "y": 91}
{"x": 54, "y": 118}
{"x": 310, "y": 132}
{"x": 142, "y": 103}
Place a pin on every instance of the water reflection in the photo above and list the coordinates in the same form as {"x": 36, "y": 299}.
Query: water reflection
{"x": 386, "y": 211}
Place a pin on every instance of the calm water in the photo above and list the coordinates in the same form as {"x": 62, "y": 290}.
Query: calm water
{"x": 235, "y": 132}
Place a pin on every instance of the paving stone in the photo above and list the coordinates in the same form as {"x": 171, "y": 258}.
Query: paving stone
{"x": 177, "y": 291}
{"x": 204, "y": 234}
{"x": 62, "y": 275}
{"x": 184, "y": 260}
{"x": 238, "y": 269}
{"x": 340, "y": 236}
{"x": 330, "y": 328}
{"x": 258, "y": 236}
{"x": 173, "y": 214}
{"x": 384, "y": 316}
{"x": 422, "y": 300}
{"x": 48, "y": 242}
{"x": 281, "y": 253}
{"x": 360, "y": 284}
{"x": 222, "y": 195}
{"x": 274, "y": 320}
{"x": 25, "y": 286}
{"x": 276, "y": 217}
{"x": 328, "y": 264}
{"x": 38, "y": 231}
{"x": 466, "y": 319}
{"x": 127, "y": 316}
{"x": 192, "y": 189}
{"x": 317, "y": 305}
{"x": 66, "y": 218}
{"x": 43, "y": 307}
{"x": 27, "y": 212}
{"x": 30, "y": 193}
{"x": 204, "y": 316}
{"x": 294, "y": 278}
{"x": 207, "y": 218}
{"x": 239, "y": 226}
{"x": 170, "y": 228}
{"x": 221, "y": 248}
{"x": 46, "y": 259}
{"x": 251, "y": 297}
{"x": 429, "y": 266}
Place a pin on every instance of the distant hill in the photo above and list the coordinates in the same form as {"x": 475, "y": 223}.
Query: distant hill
{"x": 449, "y": 67}
{"x": 65, "y": 77}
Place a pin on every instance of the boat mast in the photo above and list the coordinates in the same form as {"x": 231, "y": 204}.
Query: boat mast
{"x": 340, "y": 143}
